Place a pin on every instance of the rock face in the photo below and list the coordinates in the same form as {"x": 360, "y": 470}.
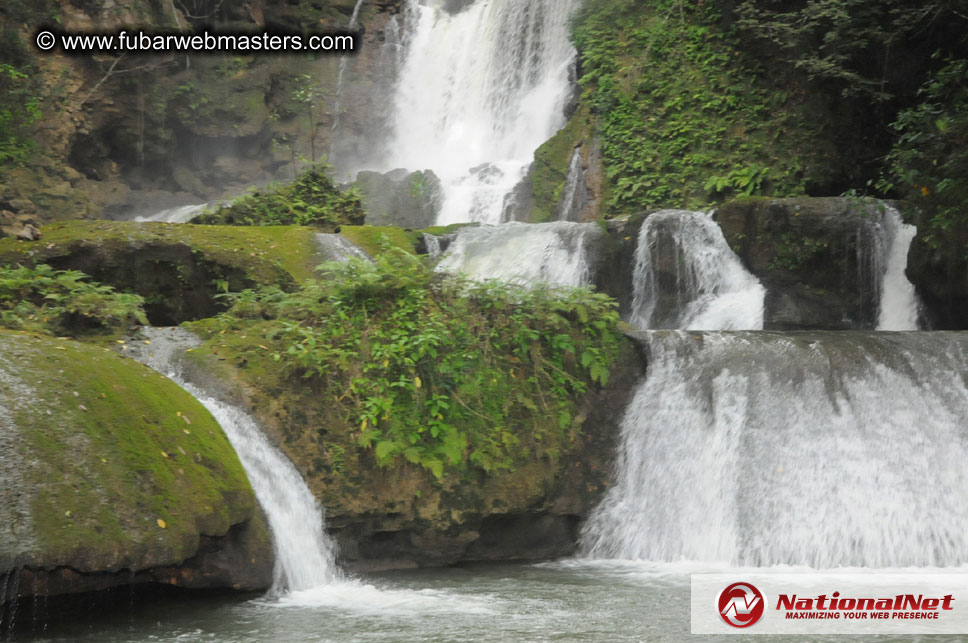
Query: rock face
{"x": 113, "y": 475}
{"x": 400, "y": 198}
{"x": 813, "y": 255}
{"x": 940, "y": 274}
{"x": 400, "y": 516}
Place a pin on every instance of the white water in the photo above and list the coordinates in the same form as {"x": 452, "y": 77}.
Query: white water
{"x": 899, "y": 301}
{"x": 182, "y": 214}
{"x": 478, "y": 92}
{"x": 304, "y": 554}
{"x": 560, "y": 253}
{"x": 575, "y": 197}
{"x": 819, "y": 449}
{"x": 687, "y": 276}
{"x": 336, "y": 247}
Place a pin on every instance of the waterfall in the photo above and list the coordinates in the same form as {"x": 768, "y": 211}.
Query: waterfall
{"x": 575, "y": 197}
{"x": 304, "y": 554}
{"x": 560, "y": 253}
{"x": 479, "y": 90}
{"x": 899, "y": 302}
{"x": 687, "y": 276}
{"x": 823, "y": 449}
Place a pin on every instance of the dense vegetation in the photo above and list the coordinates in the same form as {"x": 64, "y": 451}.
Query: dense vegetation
{"x": 313, "y": 199}
{"x": 697, "y": 102}
{"x": 431, "y": 369}
{"x": 685, "y": 118}
{"x": 63, "y": 302}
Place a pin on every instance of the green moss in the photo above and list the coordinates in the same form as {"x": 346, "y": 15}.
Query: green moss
{"x": 110, "y": 448}
{"x": 372, "y": 238}
{"x": 552, "y": 161}
{"x": 267, "y": 254}
{"x": 444, "y": 229}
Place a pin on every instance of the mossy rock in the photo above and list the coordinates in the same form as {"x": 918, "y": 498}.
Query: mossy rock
{"x": 552, "y": 161}
{"x": 400, "y": 515}
{"x": 110, "y": 468}
{"x": 371, "y": 239}
{"x": 179, "y": 268}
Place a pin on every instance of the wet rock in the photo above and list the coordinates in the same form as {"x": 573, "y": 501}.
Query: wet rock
{"x": 400, "y": 198}
{"x": 95, "y": 491}
{"x": 815, "y": 256}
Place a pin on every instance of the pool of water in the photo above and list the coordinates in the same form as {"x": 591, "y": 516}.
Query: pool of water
{"x": 563, "y": 601}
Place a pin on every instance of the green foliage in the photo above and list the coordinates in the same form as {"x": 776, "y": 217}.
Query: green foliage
{"x": 311, "y": 200}
{"x": 929, "y": 162}
{"x": 19, "y": 110}
{"x": 434, "y": 370}
{"x": 678, "y": 102}
{"x": 63, "y": 301}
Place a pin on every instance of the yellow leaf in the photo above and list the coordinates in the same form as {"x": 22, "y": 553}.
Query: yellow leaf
{"x": 162, "y": 523}
{"x": 417, "y": 382}
{"x": 363, "y": 424}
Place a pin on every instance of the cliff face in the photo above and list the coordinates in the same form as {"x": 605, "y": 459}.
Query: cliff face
{"x": 113, "y": 475}
{"x": 119, "y": 136}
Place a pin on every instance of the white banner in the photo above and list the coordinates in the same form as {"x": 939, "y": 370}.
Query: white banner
{"x": 830, "y": 603}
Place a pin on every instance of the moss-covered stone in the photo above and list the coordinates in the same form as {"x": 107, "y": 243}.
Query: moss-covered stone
{"x": 178, "y": 268}
{"x": 109, "y": 466}
{"x": 372, "y": 238}
{"x": 401, "y": 515}
{"x": 551, "y": 163}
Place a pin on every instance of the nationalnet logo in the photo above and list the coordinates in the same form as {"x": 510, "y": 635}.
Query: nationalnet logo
{"x": 832, "y": 603}
{"x": 741, "y": 605}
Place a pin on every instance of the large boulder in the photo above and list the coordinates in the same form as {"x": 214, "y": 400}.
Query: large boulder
{"x": 813, "y": 255}
{"x": 938, "y": 268}
{"x": 400, "y": 198}
{"x": 400, "y": 516}
{"x": 111, "y": 475}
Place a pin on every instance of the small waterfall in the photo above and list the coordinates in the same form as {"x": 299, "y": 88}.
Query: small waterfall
{"x": 822, "y": 449}
{"x": 182, "y": 214}
{"x": 899, "y": 301}
{"x": 687, "y": 276}
{"x": 432, "y": 243}
{"x": 304, "y": 554}
{"x": 526, "y": 254}
{"x": 575, "y": 196}
{"x": 479, "y": 90}
{"x": 336, "y": 247}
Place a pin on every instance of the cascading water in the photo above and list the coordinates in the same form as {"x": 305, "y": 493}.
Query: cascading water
{"x": 686, "y": 276}
{"x": 561, "y": 254}
{"x": 575, "y": 197}
{"x": 899, "y": 301}
{"x": 824, "y": 449}
{"x": 304, "y": 554}
{"x": 335, "y": 247}
{"x": 480, "y": 89}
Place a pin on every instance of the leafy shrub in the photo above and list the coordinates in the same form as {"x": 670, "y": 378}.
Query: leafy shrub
{"x": 433, "y": 369}
{"x": 63, "y": 301}
{"x": 929, "y": 162}
{"x": 311, "y": 200}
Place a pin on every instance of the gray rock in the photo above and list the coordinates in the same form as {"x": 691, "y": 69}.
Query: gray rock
{"x": 400, "y": 198}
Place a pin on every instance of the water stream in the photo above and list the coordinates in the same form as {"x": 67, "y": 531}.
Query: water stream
{"x": 304, "y": 554}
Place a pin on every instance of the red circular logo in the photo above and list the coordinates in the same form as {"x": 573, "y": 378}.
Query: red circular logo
{"x": 741, "y": 605}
